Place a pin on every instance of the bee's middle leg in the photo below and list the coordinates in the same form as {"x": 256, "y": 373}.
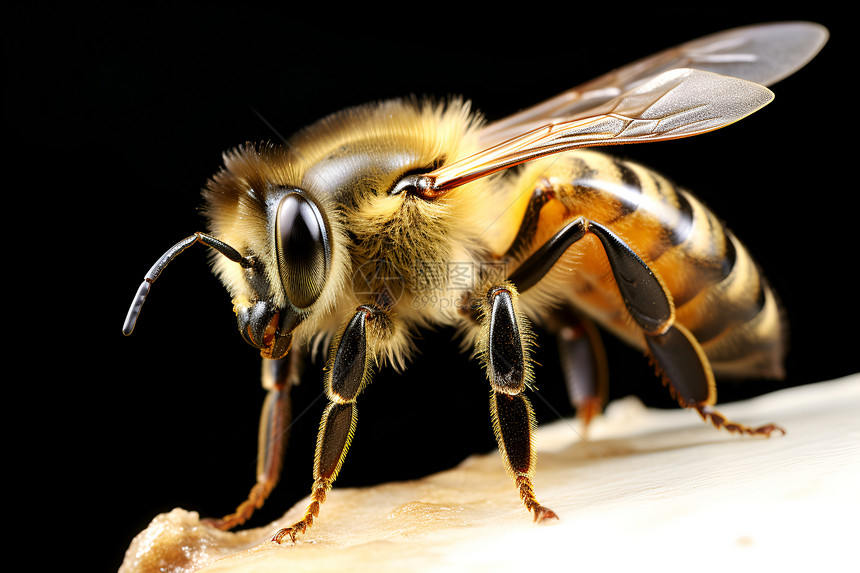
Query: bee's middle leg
{"x": 502, "y": 346}
{"x": 584, "y": 366}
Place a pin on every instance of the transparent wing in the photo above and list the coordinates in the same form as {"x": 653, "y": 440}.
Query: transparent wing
{"x": 674, "y": 104}
{"x": 763, "y": 54}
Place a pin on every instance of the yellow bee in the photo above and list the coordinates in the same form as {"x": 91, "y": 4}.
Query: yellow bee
{"x": 382, "y": 219}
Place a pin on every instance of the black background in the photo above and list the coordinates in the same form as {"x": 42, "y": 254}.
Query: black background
{"x": 117, "y": 120}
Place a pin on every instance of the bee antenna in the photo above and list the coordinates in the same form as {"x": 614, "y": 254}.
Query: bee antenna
{"x": 155, "y": 271}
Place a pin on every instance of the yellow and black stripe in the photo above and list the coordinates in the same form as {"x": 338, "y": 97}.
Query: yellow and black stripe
{"x": 718, "y": 292}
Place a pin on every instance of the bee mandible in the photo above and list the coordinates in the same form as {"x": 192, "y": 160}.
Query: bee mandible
{"x": 351, "y": 233}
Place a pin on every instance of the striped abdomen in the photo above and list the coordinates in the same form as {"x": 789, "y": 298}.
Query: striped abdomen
{"x": 718, "y": 292}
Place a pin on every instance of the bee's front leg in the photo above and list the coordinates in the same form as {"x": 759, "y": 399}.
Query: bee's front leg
{"x": 503, "y": 347}
{"x": 278, "y": 377}
{"x": 350, "y": 369}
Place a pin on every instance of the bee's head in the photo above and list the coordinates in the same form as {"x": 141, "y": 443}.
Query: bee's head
{"x": 289, "y": 224}
{"x": 273, "y": 247}
{"x": 300, "y": 253}
{"x": 286, "y": 233}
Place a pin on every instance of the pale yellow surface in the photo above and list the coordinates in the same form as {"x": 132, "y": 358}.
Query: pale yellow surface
{"x": 658, "y": 490}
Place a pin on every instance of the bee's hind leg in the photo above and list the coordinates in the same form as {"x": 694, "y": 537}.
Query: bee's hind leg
{"x": 679, "y": 358}
{"x": 677, "y": 355}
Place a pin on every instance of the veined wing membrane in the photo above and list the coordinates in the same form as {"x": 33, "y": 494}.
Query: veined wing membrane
{"x": 677, "y": 103}
{"x": 763, "y": 54}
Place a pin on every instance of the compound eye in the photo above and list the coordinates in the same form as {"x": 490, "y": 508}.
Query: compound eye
{"x": 303, "y": 249}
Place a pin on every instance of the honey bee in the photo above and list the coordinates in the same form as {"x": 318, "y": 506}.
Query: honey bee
{"x": 384, "y": 219}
